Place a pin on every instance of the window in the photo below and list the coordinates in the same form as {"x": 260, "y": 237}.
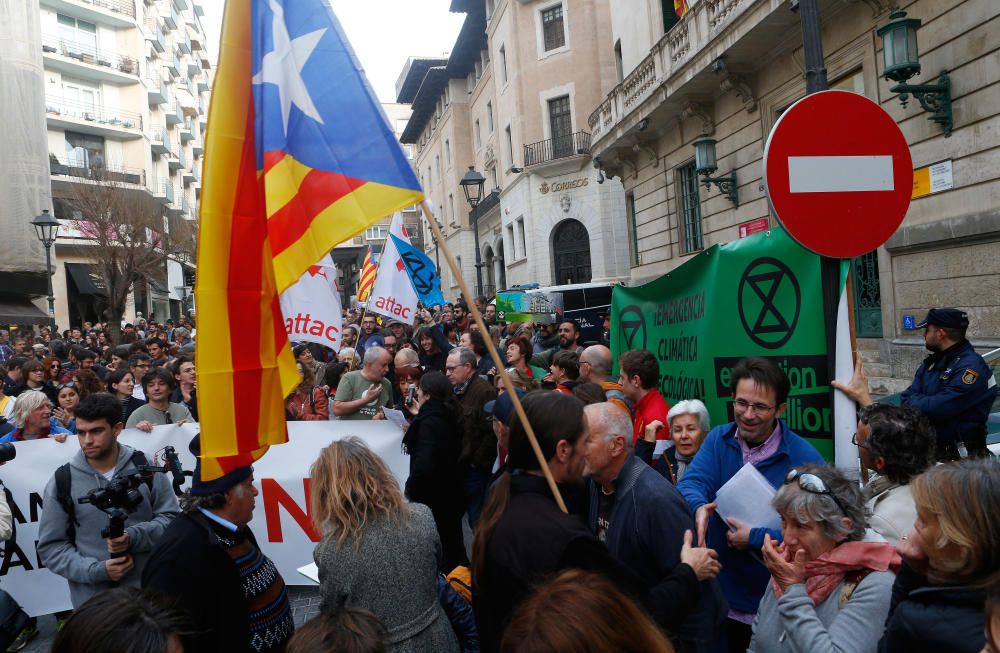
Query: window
{"x": 670, "y": 17}
{"x": 451, "y": 207}
{"x": 510, "y": 144}
{"x": 561, "y": 127}
{"x": 519, "y": 232}
{"x": 485, "y": 54}
{"x": 503, "y": 65}
{"x": 411, "y": 209}
{"x": 490, "y": 7}
{"x": 489, "y": 117}
{"x": 476, "y": 134}
{"x": 687, "y": 180}
{"x": 377, "y": 232}
{"x": 437, "y": 164}
{"x": 429, "y": 174}
{"x": 447, "y": 152}
{"x": 510, "y": 239}
{"x": 84, "y": 150}
{"x": 618, "y": 60}
{"x": 81, "y": 99}
{"x": 633, "y": 232}
{"x": 77, "y": 36}
{"x": 493, "y": 177}
{"x": 553, "y": 35}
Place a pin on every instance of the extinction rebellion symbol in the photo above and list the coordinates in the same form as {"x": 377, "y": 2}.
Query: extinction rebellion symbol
{"x": 632, "y": 326}
{"x": 769, "y": 302}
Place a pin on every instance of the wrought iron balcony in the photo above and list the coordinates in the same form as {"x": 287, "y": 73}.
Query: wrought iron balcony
{"x": 52, "y": 44}
{"x": 93, "y": 114}
{"x": 94, "y": 171}
{"x": 560, "y": 147}
{"x": 487, "y": 204}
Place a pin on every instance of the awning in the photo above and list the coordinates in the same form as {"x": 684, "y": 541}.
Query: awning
{"x": 16, "y": 310}
{"x": 86, "y": 279}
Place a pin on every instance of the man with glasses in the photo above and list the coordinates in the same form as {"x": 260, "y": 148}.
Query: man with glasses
{"x": 759, "y": 437}
{"x": 479, "y": 450}
{"x": 370, "y": 337}
{"x": 138, "y": 365}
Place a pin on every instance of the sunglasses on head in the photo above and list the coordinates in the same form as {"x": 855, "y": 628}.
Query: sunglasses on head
{"x": 813, "y": 484}
{"x": 71, "y": 384}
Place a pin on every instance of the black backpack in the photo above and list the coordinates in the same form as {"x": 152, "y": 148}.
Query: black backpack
{"x": 65, "y": 499}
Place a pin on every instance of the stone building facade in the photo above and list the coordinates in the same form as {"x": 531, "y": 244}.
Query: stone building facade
{"x": 512, "y": 101}
{"x": 728, "y": 68}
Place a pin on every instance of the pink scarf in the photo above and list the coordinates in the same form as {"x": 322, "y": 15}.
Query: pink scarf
{"x": 826, "y": 572}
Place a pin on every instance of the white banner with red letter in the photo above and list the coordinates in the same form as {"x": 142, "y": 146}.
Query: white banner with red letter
{"x": 311, "y": 306}
{"x": 281, "y": 519}
{"x": 393, "y": 295}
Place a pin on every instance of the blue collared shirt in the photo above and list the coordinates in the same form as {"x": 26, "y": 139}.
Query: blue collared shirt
{"x": 225, "y": 523}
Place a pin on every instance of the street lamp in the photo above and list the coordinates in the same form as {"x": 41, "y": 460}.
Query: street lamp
{"x": 705, "y": 163}
{"x": 472, "y": 184}
{"x": 901, "y": 61}
{"x": 47, "y": 229}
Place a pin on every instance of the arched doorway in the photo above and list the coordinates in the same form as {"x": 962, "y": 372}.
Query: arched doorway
{"x": 571, "y": 252}
{"x": 490, "y": 281}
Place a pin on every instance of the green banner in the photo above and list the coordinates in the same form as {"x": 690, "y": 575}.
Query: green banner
{"x": 757, "y": 296}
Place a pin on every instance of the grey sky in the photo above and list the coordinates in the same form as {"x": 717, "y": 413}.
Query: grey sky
{"x": 383, "y": 33}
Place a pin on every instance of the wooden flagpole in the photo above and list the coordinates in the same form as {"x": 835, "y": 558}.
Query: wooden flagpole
{"x": 497, "y": 361}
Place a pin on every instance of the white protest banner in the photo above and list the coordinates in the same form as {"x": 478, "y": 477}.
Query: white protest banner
{"x": 281, "y": 521}
{"x": 393, "y": 295}
{"x": 311, "y": 306}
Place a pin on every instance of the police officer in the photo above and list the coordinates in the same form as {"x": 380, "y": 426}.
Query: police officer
{"x": 954, "y": 387}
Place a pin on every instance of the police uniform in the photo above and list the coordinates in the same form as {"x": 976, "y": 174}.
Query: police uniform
{"x": 955, "y": 389}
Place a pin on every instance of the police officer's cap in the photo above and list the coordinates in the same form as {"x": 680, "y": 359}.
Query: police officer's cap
{"x": 946, "y": 317}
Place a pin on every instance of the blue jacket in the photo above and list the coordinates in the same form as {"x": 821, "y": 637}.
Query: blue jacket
{"x": 744, "y": 578}
{"x": 55, "y": 428}
{"x": 645, "y": 534}
{"x": 955, "y": 389}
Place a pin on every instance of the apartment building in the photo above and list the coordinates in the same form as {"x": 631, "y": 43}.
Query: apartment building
{"x": 126, "y": 85}
{"x": 728, "y": 68}
{"x": 511, "y": 101}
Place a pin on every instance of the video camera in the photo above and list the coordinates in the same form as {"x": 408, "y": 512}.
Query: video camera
{"x": 121, "y": 496}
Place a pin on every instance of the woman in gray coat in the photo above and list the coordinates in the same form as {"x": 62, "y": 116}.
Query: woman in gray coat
{"x": 378, "y": 551}
{"x": 830, "y": 591}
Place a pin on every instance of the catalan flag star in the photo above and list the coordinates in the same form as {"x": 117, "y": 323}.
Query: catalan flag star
{"x": 283, "y": 65}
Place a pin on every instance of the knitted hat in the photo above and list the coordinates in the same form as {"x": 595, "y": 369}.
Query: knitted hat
{"x": 219, "y": 485}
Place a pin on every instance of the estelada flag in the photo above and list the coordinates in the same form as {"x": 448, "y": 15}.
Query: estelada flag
{"x": 298, "y": 158}
{"x": 367, "y": 280}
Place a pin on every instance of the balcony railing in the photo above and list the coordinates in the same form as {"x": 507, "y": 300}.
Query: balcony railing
{"x": 91, "y": 113}
{"x": 94, "y": 172}
{"x": 487, "y": 204}
{"x": 155, "y": 34}
{"x": 54, "y": 45}
{"x": 559, "y": 147}
{"x": 125, "y": 7}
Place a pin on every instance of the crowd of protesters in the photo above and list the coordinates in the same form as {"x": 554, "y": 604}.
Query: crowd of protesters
{"x": 640, "y": 560}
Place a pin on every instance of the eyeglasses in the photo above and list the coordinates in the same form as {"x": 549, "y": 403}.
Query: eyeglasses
{"x": 813, "y": 484}
{"x": 57, "y": 366}
{"x": 71, "y": 384}
{"x": 760, "y": 409}
{"x": 854, "y": 441}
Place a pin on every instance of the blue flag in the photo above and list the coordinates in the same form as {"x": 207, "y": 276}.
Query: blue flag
{"x": 423, "y": 275}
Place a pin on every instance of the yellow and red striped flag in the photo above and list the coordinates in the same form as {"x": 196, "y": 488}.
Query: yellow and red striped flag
{"x": 298, "y": 158}
{"x": 367, "y": 280}
{"x": 681, "y": 7}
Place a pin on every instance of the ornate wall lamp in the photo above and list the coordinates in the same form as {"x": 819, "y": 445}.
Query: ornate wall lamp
{"x": 705, "y": 164}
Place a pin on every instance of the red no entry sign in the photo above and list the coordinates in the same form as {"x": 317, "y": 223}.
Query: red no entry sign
{"x": 838, "y": 173}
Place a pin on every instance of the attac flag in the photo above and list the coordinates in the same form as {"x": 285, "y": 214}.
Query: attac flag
{"x": 312, "y": 307}
{"x": 367, "y": 281}
{"x": 298, "y": 158}
{"x": 393, "y": 295}
{"x": 423, "y": 275}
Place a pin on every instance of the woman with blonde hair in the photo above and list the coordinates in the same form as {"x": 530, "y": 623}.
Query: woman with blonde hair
{"x": 582, "y": 612}
{"x": 951, "y": 558}
{"x": 378, "y": 551}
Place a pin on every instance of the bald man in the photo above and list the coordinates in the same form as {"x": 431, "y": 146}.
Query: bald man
{"x": 595, "y": 367}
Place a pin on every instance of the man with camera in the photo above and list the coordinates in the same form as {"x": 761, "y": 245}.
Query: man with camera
{"x": 106, "y": 538}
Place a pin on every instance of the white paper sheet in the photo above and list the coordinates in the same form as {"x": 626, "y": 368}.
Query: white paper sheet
{"x": 310, "y": 571}
{"x": 747, "y": 497}
{"x": 396, "y": 417}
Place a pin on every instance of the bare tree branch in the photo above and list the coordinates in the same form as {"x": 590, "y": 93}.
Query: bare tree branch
{"x": 130, "y": 237}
